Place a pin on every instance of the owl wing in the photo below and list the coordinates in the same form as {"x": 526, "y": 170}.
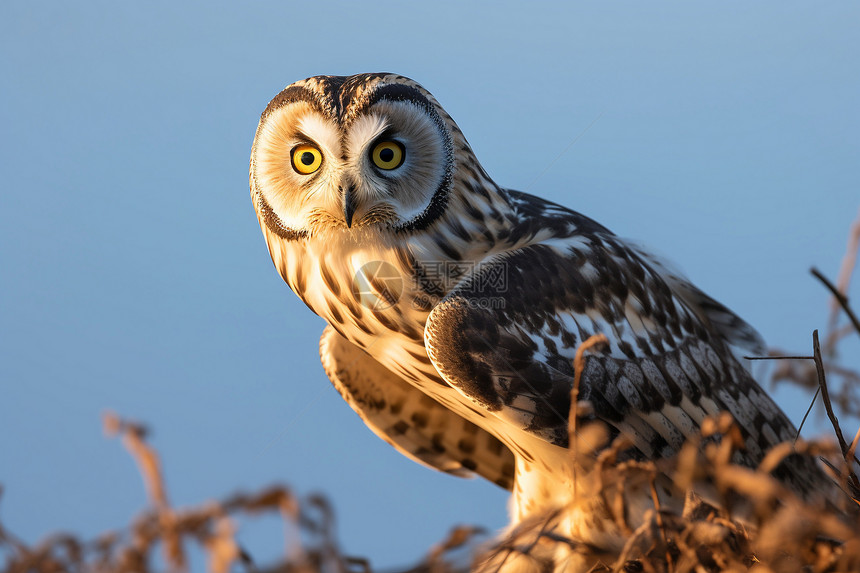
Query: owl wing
{"x": 506, "y": 337}
{"x": 416, "y": 425}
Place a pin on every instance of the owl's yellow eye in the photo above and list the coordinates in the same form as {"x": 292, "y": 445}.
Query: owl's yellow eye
{"x": 388, "y": 155}
{"x": 306, "y": 159}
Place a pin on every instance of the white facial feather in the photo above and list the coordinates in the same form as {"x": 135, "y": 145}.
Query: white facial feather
{"x": 291, "y": 195}
{"x": 323, "y": 133}
{"x": 369, "y": 186}
{"x": 413, "y": 184}
{"x": 408, "y": 188}
{"x": 315, "y": 202}
{"x": 362, "y": 133}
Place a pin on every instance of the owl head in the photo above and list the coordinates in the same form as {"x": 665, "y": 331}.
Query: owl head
{"x": 342, "y": 154}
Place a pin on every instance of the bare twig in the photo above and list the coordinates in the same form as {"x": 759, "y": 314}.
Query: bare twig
{"x": 846, "y": 269}
{"x": 578, "y": 367}
{"x": 149, "y": 465}
{"x": 825, "y": 396}
{"x": 853, "y": 447}
{"x": 840, "y": 298}
{"x": 779, "y": 357}
{"x": 655, "y": 499}
{"x": 850, "y": 259}
{"x": 808, "y": 410}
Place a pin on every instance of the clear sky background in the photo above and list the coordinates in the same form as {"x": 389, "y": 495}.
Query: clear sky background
{"x": 134, "y": 277}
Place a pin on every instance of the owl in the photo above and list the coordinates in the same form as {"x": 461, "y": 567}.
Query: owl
{"x": 455, "y": 307}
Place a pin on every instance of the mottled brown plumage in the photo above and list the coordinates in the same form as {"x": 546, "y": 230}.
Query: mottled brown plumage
{"x": 455, "y": 306}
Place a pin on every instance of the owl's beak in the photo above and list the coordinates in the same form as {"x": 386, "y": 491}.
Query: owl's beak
{"x": 349, "y": 205}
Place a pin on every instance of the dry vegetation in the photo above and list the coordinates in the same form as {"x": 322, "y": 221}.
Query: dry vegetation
{"x": 783, "y": 533}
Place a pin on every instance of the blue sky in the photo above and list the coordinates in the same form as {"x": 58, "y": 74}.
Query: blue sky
{"x": 134, "y": 277}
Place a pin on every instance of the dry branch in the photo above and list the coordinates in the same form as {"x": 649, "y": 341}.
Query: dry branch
{"x": 843, "y": 280}
{"x": 840, "y": 298}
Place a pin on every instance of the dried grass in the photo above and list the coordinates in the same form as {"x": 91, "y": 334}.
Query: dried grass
{"x": 780, "y": 532}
